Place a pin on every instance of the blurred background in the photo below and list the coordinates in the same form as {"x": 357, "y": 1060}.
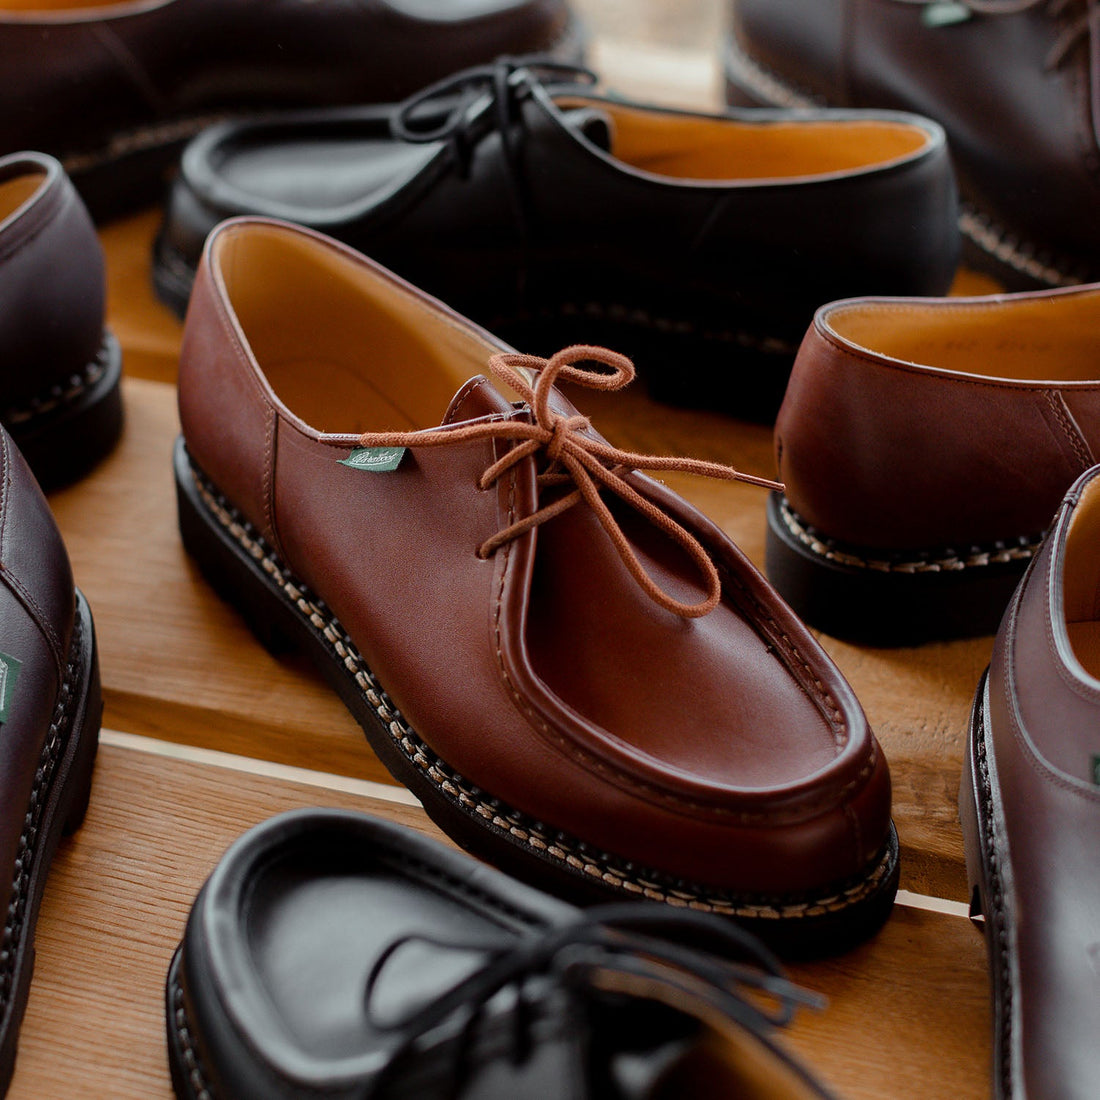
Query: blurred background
{"x": 680, "y": 24}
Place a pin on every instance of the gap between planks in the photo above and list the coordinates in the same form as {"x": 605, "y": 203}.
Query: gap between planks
{"x": 384, "y": 792}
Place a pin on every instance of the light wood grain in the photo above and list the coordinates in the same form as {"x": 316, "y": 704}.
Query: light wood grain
{"x": 906, "y": 1010}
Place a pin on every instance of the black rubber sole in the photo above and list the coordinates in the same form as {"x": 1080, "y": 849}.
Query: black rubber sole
{"x": 888, "y": 599}
{"x": 68, "y": 431}
{"x": 287, "y": 618}
{"x": 986, "y": 246}
{"x": 988, "y": 871}
{"x": 57, "y": 808}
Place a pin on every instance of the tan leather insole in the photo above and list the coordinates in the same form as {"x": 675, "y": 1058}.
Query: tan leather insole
{"x": 346, "y": 348}
{"x": 690, "y": 147}
{"x": 1054, "y": 338}
{"x": 15, "y": 192}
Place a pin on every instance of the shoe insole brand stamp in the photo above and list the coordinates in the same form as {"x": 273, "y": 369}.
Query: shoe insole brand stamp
{"x": 9, "y": 676}
{"x": 379, "y": 460}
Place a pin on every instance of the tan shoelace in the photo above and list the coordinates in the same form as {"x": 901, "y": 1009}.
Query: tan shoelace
{"x": 576, "y": 457}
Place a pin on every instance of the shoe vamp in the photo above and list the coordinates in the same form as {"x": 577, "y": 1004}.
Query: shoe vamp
{"x": 707, "y": 696}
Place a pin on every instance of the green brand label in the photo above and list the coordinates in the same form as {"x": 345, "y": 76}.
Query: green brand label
{"x": 944, "y": 13}
{"x": 1096, "y": 768}
{"x": 9, "y": 676}
{"x": 379, "y": 460}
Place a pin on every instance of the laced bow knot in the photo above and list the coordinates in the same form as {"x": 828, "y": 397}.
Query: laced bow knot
{"x": 575, "y": 455}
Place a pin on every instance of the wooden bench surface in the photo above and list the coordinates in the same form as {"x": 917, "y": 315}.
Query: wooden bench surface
{"x": 218, "y": 735}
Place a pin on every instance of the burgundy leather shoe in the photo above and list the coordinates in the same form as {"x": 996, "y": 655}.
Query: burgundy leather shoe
{"x": 114, "y": 88}
{"x": 552, "y": 214}
{"x": 924, "y": 445}
{"x": 332, "y": 956}
{"x": 59, "y": 383}
{"x": 1014, "y": 83}
{"x": 578, "y": 674}
{"x": 1030, "y": 810}
{"x": 50, "y": 710}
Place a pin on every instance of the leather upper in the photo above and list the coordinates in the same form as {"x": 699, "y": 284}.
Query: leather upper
{"x": 720, "y": 225}
{"x": 37, "y": 608}
{"x": 1016, "y": 92}
{"x": 913, "y": 425}
{"x": 322, "y": 936}
{"x": 85, "y": 77}
{"x": 727, "y": 748}
{"x": 51, "y": 281}
{"x": 1041, "y": 726}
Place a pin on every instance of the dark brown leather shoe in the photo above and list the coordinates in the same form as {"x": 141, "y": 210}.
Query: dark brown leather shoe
{"x": 553, "y": 214}
{"x": 1012, "y": 81}
{"x": 59, "y": 380}
{"x": 1030, "y": 810}
{"x": 332, "y": 956}
{"x": 924, "y": 446}
{"x": 576, "y": 672}
{"x": 114, "y": 89}
{"x": 49, "y": 722}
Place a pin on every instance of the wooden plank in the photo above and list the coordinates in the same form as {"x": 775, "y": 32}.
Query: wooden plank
{"x": 906, "y": 1010}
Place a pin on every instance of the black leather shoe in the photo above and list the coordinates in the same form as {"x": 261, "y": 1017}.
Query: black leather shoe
{"x": 333, "y": 955}
{"x": 115, "y": 88}
{"x": 59, "y": 366}
{"x": 553, "y": 215}
{"x": 50, "y": 710}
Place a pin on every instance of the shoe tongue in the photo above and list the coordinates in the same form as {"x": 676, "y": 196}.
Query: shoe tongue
{"x": 478, "y": 397}
{"x": 592, "y": 124}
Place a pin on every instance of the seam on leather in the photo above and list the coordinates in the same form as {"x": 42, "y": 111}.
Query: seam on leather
{"x": 270, "y": 432}
{"x": 940, "y": 559}
{"x": 1069, "y": 426}
{"x": 129, "y": 64}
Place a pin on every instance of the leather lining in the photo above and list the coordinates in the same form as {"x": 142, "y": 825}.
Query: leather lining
{"x": 1081, "y": 580}
{"x": 696, "y": 147}
{"x": 349, "y": 369}
{"x": 1043, "y": 337}
{"x": 15, "y": 192}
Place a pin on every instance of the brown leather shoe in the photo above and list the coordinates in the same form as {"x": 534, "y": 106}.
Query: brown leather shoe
{"x": 1030, "y": 809}
{"x": 115, "y": 88}
{"x": 49, "y": 722}
{"x": 578, "y": 674}
{"x": 1009, "y": 80}
{"x": 59, "y": 385}
{"x": 924, "y": 445}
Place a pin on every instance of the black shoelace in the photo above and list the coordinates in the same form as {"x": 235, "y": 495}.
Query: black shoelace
{"x": 447, "y": 111}
{"x": 745, "y": 983}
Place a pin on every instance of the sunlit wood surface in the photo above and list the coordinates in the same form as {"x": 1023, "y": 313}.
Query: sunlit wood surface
{"x": 206, "y": 712}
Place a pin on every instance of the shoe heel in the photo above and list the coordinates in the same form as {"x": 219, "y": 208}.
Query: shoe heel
{"x": 883, "y": 607}
{"x": 230, "y": 570}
